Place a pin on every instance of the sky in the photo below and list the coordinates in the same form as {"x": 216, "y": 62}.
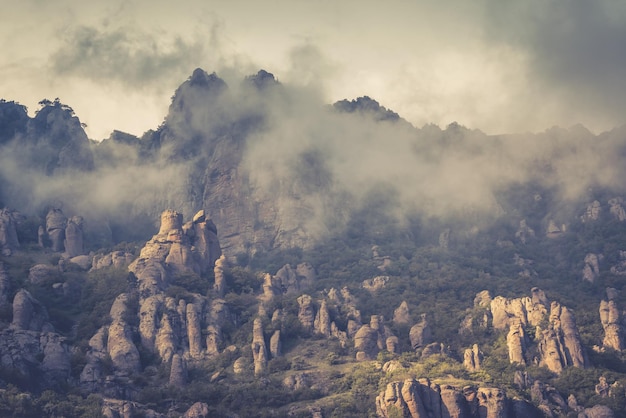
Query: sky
{"x": 500, "y": 66}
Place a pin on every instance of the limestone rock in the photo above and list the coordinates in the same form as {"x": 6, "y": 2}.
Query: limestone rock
{"x": 197, "y": 410}
{"x": 377, "y": 283}
{"x": 610, "y": 317}
{"x": 602, "y": 388}
{"x": 472, "y": 358}
{"x": 220, "y": 280}
{"x": 178, "y": 371}
{"x": 482, "y": 299}
{"x": 617, "y": 209}
{"x": 306, "y": 313}
{"x": 28, "y": 313}
{"x": 275, "y": 344}
{"x": 8, "y": 233}
{"x": 516, "y": 342}
{"x": 322, "y": 320}
{"x": 366, "y": 342}
{"x": 401, "y": 314}
{"x": 560, "y": 344}
{"x": 55, "y": 227}
{"x": 492, "y": 403}
{"x": 123, "y": 352}
{"x": 74, "y": 237}
{"x": 259, "y": 348}
{"x": 420, "y": 334}
{"x": 213, "y": 340}
{"x": 194, "y": 330}
{"x": 240, "y": 365}
{"x": 591, "y": 270}
{"x": 116, "y": 259}
{"x": 5, "y": 285}
{"x": 43, "y": 273}
{"x": 597, "y": 411}
{"x": 593, "y": 211}
{"x": 524, "y": 232}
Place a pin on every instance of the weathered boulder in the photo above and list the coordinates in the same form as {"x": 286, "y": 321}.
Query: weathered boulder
{"x": 28, "y": 313}
{"x": 74, "y": 237}
{"x": 560, "y": 344}
{"x": 401, "y": 314}
{"x": 43, "y": 273}
{"x": 593, "y": 211}
{"x": 197, "y": 410}
{"x": 117, "y": 259}
{"x": 610, "y": 318}
{"x": 123, "y": 352}
{"x": 516, "y": 342}
{"x": 55, "y": 228}
{"x": 524, "y": 233}
{"x": 420, "y": 334}
{"x": 8, "y": 233}
{"x": 472, "y": 358}
{"x": 194, "y": 330}
{"x": 259, "y": 348}
{"x": 366, "y": 343}
{"x": 616, "y": 208}
{"x": 306, "y": 313}
{"x": 492, "y": 403}
{"x": 591, "y": 270}
{"x": 178, "y": 371}
{"x": 322, "y": 322}
{"x": 220, "y": 280}
{"x": 375, "y": 284}
{"x": 275, "y": 344}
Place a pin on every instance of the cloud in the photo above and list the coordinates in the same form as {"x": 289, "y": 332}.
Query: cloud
{"x": 574, "y": 52}
{"x": 125, "y": 55}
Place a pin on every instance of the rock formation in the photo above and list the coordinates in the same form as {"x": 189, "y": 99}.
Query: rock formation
{"x": 593, "y": 211}
{"x": 8, "y": 233}
{"x": 591, "y": 270}
{"x": 560, "y": 344}
{"x": 516, "y": 342}
{"x": 420, "y": 334}
{"x": 616, "y": 209}
{"x": 610, "y": 318}
{"x": 524, "y": 232}
{"x": 401, "y": 314}
{"x": 424, "y": 399}
{"x": 55, "y": 228}
{"x": 472, "y": 358}
{"x": 259, "y": 348}
{"x": 74, "y": 237}
{"x": 306, "y": 313}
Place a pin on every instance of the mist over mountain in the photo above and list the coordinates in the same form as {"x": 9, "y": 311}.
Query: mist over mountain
{"x": 277, "y": 167}
{"x": 264, "y": 253}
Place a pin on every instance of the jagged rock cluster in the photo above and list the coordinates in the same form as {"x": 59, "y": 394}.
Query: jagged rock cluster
{"x": 553, "y": 326}
{"x": 424, "y": 399}
{"x": 176, "y": 331}
{"x": 611, "y": 319}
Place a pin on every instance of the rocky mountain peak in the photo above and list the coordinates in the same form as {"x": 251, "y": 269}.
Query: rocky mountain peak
{"x": 367, "y": 106}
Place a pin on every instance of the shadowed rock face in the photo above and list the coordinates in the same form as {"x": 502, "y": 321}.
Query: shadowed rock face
{"x": 424, "y": 399}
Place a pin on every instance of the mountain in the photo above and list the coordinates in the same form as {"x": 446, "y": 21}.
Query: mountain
{"x": 261, "y": 253}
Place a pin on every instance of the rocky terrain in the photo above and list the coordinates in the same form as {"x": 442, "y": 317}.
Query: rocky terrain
{"x": 203, "y": 270}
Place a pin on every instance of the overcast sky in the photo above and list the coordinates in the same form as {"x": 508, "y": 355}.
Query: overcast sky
{"x": 495, "y": 65}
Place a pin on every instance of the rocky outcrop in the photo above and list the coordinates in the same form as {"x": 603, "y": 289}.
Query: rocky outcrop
{"x": 516, "y": 342}
{"x": 616, "y": 208}
{"x": 306, "y": 312}
{"x": 74, "y": 237}
{"x": 424, "y": 399}
{"x": 560, "y": 344}
{"x": 8, "y": 233}
{"x": 420, "y": 334}
{"x": 592, "y": 213}
{"x": 121, "y": 348}
{"x": 178, "y": 371}
{"x": 56, "y": 223}
{"x": 401, "y": 314}
{"x": 259, "y": 348}
{"x": 375, "y": 284}
{"x": 611, "y": 320}
{"x": 591, "y": 270}
{"x": 115, "y": 259}
{"x": 322, "y": 323}
{"x": 218, "y": 273}
{"x": 29, "y": 314}
{"x": 197, "y": 410}
{"x": 524, "y": 233}
{"x": 472, "y": 358}
{"x": 175, "y": 250}
{"x": 371, "y": 338}
{"x": 5, "y": 285}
